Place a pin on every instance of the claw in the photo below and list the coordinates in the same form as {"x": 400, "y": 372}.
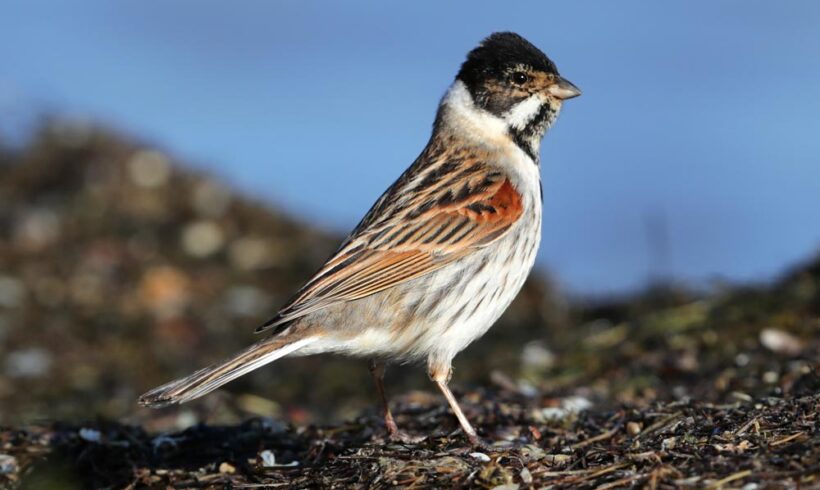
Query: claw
{"x": 478, "y": 443}
{"x": 404, "y": 437}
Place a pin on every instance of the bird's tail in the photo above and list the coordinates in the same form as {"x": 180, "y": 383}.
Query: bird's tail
{"x": 212, "y": 377}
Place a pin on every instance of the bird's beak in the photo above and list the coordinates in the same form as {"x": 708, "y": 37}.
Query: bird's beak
{"x": 563, "y": 89}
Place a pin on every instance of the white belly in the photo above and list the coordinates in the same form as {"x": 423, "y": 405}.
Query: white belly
{"x": 464, "y": 300}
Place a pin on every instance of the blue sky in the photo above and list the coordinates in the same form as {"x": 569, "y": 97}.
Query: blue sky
{"x": 698, "y": 118}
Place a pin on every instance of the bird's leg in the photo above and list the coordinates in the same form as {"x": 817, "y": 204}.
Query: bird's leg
{"x": 440, "y": 374}
{"x": 377, "y": 371}
{"x": 393, "y": 432}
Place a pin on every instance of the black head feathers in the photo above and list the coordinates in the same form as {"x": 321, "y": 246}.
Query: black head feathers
{"x": 498, "y": 53}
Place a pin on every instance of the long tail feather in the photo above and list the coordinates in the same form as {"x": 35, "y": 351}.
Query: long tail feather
{"x": 212, "y": 377}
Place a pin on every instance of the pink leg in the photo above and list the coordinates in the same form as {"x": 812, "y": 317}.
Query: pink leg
{"x": 377, "y": 371}
{"x": 440, "y": 374}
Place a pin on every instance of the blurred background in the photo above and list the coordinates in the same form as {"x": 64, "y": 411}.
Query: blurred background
{"x": 168, "y": 176}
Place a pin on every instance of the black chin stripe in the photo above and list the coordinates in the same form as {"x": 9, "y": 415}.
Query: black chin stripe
{"x": 533, "y": 130}
{"x": 536, "y": 124}
{"x": 523, "y": 142}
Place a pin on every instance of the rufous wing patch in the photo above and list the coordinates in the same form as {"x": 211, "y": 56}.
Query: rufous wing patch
{"x": 503, "y": 206}
{"x": 466, "y": 214}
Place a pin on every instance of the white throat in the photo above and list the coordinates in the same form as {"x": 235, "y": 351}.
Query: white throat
{"x": 461, "y": 115}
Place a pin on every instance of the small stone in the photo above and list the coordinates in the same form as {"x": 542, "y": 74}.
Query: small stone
{"x": 481, "y": 457}
{"x": 268, "y": 458}
{"x": 536, "y": 356}
{"x": 526, "y": 476}
{"x": 669, "y": 443}
{"x": 633, "y": 428}
{"x": 186, "y": 419}
{"x": 781, "y": 342}
{"x": 202, "y": 238}
{"x": 37, "y": 229}
{"x": 149, "y": 169}
{"x": 571, "y": 405}
{"x": 557, "y": 458}
{"x": 33, "y": 362}
{"x": 576, "y": 404}
{"x": 744, "y": 397}
{"x": 770, "y": 377}
{"x": 90, "y": 435}
{"x": 8, "y": 465}
{"x": 227, "y": 469}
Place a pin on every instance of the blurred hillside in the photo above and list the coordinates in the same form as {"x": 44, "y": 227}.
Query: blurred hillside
{"x": 121, "y": 269}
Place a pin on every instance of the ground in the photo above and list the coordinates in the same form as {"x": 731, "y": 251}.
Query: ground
{"x": 767, "y": 443}
{"x": 121, "y": 269}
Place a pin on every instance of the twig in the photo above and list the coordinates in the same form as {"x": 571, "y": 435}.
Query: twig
{"x": 746, "y": 426}
{"x": 730, "y": 478}
{"x": 787, "y": 439}
{"x": 660, "y": 424}
{"x": 599, "y": 437}
{"x": 621, "y": 482}
{"x": 599, "y": 472}
{"x": 262, "y": 485}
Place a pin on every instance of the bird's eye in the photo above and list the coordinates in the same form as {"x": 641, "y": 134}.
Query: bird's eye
{"x": 520, "y": 78}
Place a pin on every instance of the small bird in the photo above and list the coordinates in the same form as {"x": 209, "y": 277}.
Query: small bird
{"x": 442, "y": 253}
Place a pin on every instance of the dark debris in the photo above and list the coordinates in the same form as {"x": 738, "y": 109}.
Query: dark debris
{"x": 772, "y": 442}
{"x": 107, "y": 289}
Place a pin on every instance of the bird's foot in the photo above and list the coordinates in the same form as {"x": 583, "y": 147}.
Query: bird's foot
{"x": 404, "y": 438}
{"x": 478, "y": 443}
{"x": 396, "y": 435}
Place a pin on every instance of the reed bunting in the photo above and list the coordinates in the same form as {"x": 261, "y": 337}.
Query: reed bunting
{"x": 443, "y": 251}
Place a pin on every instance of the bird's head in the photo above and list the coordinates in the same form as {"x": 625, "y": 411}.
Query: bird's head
{"x": 509, "y": 78}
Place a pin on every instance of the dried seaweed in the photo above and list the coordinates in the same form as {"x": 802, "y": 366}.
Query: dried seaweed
{"x": 664, "y": 389}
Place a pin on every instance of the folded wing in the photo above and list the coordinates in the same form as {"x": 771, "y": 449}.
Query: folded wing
{"x": 429, "y": 218}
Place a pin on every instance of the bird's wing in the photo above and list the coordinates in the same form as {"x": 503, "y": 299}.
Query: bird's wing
{"x": 434, "y": 214}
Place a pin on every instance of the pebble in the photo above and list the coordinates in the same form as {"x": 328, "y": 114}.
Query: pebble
{"x": 33, "y": 362}
{"x": 268, "y": 458}
{"x": 571, "y": 405}
{"x": 8, "y": 465}
{"x": 536, "y": 356}
{"x": 481, "y": 457}
{"x": 90, "y": 435}
{"x": 149, "y": 169}
{"x": 781, "y": 342}
{"x": 202, "y": 238}
{"x": 526, "y": 476}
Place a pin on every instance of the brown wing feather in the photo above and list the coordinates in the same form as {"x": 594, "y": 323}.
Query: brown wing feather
{"x": 425, "y": 221}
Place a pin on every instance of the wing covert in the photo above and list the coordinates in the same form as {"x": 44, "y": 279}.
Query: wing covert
{"x": 425, "y": 221}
